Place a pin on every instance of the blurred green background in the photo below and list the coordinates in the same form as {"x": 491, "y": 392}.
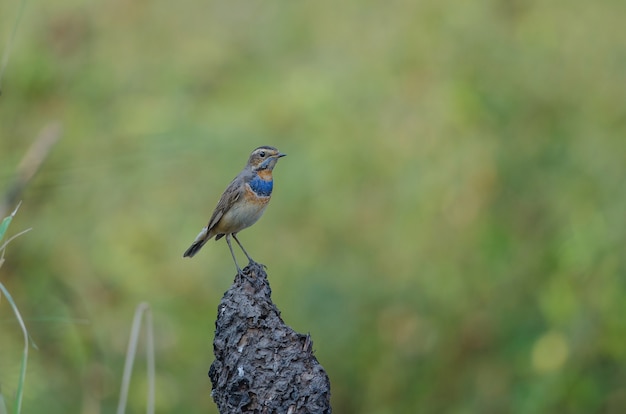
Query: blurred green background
{"x": 449, "y": 224}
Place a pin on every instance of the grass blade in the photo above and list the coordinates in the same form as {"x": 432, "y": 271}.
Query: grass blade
{"x": 7, "y": 220}
{"x": 22, "y": 378}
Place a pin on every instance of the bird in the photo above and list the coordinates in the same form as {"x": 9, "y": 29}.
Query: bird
{"x": 242, "y": 203}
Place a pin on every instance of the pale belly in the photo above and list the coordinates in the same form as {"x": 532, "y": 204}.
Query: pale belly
{"x": 240, "y": 216}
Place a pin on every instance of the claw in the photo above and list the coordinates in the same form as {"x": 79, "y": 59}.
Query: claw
{"x": 253, "y": 263}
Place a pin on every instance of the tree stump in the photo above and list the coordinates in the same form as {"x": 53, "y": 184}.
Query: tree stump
{"x": 262, "y": 365}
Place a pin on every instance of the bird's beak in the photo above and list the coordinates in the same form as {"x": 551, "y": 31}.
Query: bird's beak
{"x": 280, "y": 155}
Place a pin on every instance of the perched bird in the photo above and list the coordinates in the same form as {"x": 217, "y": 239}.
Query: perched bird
{"x": 242, "y": 203}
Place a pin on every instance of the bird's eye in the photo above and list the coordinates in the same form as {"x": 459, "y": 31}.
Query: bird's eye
{"x": 262, "y": 154}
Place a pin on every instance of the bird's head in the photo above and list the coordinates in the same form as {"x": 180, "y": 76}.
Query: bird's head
{"x": 264, "y": 158}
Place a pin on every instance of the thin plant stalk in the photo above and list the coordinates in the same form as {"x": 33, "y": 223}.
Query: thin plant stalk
{"x": 10, "y": 41}
{"x": 142, "y": 308}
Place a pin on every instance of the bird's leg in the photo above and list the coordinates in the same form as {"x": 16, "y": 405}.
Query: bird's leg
{"x": 250, "y": 259}
{"x": 233, "y": 253}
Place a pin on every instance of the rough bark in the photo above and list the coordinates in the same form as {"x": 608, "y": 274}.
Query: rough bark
{"x": 262, "y": 365}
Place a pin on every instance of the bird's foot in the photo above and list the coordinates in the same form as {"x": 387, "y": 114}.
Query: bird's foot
{"x": 253, "y": 263}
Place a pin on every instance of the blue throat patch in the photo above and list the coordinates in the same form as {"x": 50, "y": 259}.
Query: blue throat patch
{"x": 261, "y": 187}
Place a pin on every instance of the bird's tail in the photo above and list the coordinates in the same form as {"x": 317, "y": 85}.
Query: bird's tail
{"x": 197, "y": 244}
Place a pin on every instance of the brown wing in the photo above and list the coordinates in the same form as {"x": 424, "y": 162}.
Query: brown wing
{"x": 229, "y": 197}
